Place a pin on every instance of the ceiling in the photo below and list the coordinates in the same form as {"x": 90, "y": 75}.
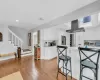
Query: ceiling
{"x": 32, "y": 13}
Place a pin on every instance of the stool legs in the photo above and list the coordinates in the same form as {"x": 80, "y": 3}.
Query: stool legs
{"x": 63, "y": 66}
{"x": 58, "y": 68}
{"x": 96, "y": 74}
{"x": 65, "y": 62}
{"x": 66, "y": 70}
{"x": 71, "y": 69}
{"x": 80, "y": 73}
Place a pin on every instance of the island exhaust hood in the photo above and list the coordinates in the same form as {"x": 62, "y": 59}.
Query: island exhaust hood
{"x": 75, "y": 27}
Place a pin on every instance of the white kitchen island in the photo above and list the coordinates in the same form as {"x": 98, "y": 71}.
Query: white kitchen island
{"x": 74, "y": 54}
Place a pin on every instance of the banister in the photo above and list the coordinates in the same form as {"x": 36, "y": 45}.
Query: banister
{"x": 15, "y": 35}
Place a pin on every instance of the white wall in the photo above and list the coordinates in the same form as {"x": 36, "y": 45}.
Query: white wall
{"x": 92, "y": 34}
{"x": 22, "y": 33}
{"x": 89, "y": 34}
{"x": 5, "y": 46}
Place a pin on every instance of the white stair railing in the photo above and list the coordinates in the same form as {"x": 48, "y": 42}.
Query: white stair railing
{"x": 15, "y": 40}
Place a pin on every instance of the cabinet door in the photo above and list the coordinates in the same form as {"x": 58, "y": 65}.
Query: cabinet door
{"x": 80, "y": 38}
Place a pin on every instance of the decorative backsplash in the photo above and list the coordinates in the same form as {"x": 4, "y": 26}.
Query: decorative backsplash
{"x": 95, "y": 43}
{"x": 49, "y": 43}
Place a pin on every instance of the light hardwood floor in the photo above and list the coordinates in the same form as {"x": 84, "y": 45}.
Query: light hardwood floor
{"x": 31, "y": 69}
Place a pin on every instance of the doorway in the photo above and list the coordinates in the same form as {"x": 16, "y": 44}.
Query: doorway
{"x": 34, "y": 41}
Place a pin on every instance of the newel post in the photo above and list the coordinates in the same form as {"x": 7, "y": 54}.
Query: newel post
{"x": 19, "y": 52}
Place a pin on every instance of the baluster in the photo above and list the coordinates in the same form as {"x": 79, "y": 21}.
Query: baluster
{"x": 18, "y": 43}
{"x": 8, "y": 36}
{"x": 12, "y": 38}
{"x": 21, "y": 44}
{"x": 15, "y": 41}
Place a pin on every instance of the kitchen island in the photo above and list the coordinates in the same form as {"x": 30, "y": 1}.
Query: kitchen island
{"x": 74, "y": 54}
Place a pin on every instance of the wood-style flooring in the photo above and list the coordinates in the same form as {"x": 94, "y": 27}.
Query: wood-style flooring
{"x": 31, "y": 69}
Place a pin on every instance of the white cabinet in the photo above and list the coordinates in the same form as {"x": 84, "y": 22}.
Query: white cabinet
{"x": 50, "y": 34}
{"x": 80, "y": 38}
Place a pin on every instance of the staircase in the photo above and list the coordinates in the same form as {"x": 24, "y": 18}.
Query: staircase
{"x": 26, "y": 51}
{"x": 17, "y": 42}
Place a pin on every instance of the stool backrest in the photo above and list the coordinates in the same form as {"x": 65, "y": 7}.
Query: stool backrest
{"x": 62, "y": 50}
{"x": 89, "y": 54}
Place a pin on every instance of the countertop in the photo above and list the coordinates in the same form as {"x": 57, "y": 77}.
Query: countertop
{"x": 74, "y": 54}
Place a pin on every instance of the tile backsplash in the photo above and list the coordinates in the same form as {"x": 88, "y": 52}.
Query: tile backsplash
{"x": 95, "y": 43}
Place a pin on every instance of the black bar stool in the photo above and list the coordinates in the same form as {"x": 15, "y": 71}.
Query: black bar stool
{"x": 66, "y": 59}
{"x": 87, "y": 61}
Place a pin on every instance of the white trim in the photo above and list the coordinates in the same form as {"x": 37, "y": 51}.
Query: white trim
{"x": 14, "y": 39}
{"x": 15, "y": 35}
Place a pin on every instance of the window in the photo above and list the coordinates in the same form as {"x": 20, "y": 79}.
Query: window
{"x": 85, "y": 22}
{"x": 87, "y": 19}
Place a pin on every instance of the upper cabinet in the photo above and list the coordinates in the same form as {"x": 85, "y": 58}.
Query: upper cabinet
{"x": 50, "y": 34}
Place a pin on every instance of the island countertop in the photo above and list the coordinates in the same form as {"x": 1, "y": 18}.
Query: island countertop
{"x": 74, "y": 54}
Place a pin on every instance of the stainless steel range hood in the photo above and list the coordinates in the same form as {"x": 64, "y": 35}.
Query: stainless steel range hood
{"x": 75, "y": 27}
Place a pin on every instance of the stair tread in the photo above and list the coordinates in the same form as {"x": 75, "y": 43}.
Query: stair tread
{"x": 25, "y": 53}
{"x": 25, "y": 50}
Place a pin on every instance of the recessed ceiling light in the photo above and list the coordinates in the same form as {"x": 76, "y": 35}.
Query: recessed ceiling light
{"x": 17, "y": 20}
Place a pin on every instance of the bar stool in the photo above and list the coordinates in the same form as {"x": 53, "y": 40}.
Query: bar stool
{"x": 87, "y": 62}
{"x": 66, "y": 59}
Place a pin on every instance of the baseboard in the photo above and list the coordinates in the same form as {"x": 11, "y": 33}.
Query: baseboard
{"x": 42, "y": 57}
{"x": 7, "y": 58}
{"x": 53, "y": 58}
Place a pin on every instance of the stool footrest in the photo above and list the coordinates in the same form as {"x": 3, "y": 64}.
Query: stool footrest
{"x": 86, "y": 77}
{"x": 66, "y": 68}
{"x": 63, "y": 73}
